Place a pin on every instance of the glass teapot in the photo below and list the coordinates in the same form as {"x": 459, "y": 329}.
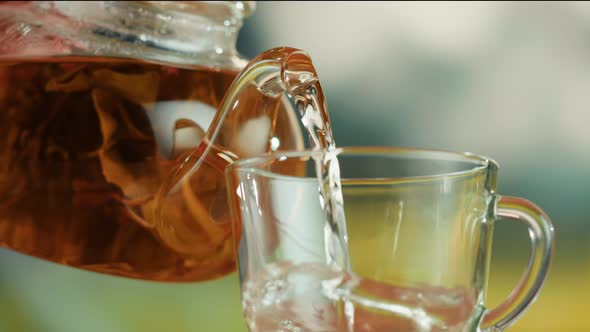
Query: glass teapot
{"x": 117, "y": 119}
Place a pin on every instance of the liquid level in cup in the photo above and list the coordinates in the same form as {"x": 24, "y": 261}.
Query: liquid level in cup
{"x": 312, "y": 297}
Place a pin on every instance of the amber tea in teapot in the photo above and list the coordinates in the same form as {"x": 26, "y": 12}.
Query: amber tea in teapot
{"x": 76, "y": 136}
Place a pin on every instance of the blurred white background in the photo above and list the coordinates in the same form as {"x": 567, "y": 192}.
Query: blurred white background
{"x": 499, "y": 78}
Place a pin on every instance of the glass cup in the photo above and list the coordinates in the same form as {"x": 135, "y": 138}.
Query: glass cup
{"x": 419, "y": 227}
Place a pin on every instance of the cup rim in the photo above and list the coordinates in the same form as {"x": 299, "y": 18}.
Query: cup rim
{"x": 480, "y": 164}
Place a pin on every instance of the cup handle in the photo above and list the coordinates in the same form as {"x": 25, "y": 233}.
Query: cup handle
{"x": 542, "y": 240}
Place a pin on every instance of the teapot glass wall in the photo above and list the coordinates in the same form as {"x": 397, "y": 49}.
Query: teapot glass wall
{"x": 117, "y": 119}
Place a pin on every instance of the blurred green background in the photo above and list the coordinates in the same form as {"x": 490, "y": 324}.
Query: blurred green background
{"x": 510, "y": 80}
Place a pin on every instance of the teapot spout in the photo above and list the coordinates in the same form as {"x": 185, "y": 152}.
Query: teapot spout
{"x": 270, "y": 106}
